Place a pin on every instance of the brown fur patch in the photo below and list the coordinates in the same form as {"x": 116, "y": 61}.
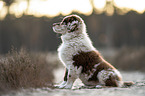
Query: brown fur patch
{"x": 88, "y": 60}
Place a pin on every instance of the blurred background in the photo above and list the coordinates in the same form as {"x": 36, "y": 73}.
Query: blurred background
{"x": 28, "y": 56}
{"x": 116, "y": 27}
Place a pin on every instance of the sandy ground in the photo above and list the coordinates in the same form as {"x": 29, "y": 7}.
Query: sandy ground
{"x": 136, "y": 90}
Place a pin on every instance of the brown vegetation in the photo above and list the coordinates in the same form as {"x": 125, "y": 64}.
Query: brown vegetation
{"x": 23, "y": 70}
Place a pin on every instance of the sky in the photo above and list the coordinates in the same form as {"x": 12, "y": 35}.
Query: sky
{"x": 52, "y": 8}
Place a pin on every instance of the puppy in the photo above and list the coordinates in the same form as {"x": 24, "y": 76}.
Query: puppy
{"x": 81, "y": 59}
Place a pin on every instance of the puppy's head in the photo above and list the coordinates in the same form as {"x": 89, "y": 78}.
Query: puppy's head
{"x": 70, "y": 24}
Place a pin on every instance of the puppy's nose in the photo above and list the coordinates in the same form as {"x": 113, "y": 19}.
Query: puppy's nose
{"x": 54, "y": 24}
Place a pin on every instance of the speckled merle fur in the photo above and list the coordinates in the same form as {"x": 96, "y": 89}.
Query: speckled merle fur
{"x": 81, "y": 58}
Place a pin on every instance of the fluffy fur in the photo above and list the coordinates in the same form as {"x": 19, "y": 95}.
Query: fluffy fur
{"x": 80, "y": 58}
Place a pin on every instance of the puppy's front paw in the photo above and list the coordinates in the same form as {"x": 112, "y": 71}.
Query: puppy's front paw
{"x": 66, "y": 86}
{"x": 61, "y": 85}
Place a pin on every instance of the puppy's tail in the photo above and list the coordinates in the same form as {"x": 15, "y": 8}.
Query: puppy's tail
{"x": 128, "y": 83}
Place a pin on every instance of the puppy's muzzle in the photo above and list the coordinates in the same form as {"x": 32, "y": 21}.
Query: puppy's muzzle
{"x": 58, "y": 28}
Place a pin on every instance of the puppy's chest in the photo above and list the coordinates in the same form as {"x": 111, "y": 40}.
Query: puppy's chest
{"x": 67, "y": 51}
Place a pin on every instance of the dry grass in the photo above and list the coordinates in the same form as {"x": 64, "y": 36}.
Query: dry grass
{"x": 23, "y": 70}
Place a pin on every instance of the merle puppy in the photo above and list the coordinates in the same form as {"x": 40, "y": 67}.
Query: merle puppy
{"x": 80, "y": 57}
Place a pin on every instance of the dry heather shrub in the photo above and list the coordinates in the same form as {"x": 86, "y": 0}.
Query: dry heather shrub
{"x": 22, "y": 70}
{"x": 130, "y": 59}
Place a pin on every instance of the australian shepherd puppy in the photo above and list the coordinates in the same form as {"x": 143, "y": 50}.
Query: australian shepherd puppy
{"x": 80, "y": 57}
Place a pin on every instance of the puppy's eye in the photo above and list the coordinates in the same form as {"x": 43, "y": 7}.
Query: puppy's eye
{"x": 74, "y": 24}
{"x": 63, "y": 23}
